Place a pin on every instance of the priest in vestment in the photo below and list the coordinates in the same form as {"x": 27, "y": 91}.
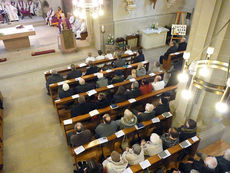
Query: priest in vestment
{"x": 10, "y": 10}
{"x": 64, "y": 23}
{"x": 37, "y": 8}
{"x": 50, "y": 14}
{"x": 56, "y": 17}
{"x": 30, "y": 6}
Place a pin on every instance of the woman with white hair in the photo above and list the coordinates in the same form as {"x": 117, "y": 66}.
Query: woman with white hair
{"x": 134, "y": 155}
{"x": 128, "y": 120}
{"x": 154, "y": 146}
{"x": 148, "y": 114}
{"x": 66, "y": 91}
{"x": 141, "y": 71}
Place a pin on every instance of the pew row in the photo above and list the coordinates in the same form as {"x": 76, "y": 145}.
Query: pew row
{"x": 94, "y": 148}
{"x": 85, "y": 119}
{"x": 83, "y": 66}
{"x": 172, "y": 156}
{"x": 172, "y": 57}
{"x": 59, "y": 104}
{"x": 127, "y": 70}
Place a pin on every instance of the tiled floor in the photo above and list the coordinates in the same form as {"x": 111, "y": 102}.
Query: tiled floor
{"x": 33, "y": 139}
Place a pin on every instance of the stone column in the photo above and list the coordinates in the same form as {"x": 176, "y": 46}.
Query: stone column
{"x": 209, "y": 17}
{"x": 89, "y": 21}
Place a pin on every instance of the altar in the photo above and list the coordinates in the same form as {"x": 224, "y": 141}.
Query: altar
{"x": 152, "y": 38}
{"x": 16, "y": 38}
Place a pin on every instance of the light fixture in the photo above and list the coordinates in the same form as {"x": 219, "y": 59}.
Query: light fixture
{"x": 210, "y": 50}
{"x": 221, "y": 107}
{"x": 94, "y": 7}
{"x": 204, "y": 71}
{"x": 186, "y": 94}
{"x": 183, "y": 77}
{"x": 186, "y": 55}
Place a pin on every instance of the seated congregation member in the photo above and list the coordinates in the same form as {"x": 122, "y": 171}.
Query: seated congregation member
{"x": 89, "y": 166}
{"x": 115, "y": 163}
{"x": 224, "y": 161}
{"x": 53, "y": 78}
{"x": 148, "y": 114}
{"x": 118, "y": 77}
{"x": 141, "y": 71}
{"x": 119, "y": 96}
{"x": 74, "y": 72}
{"x": 171, "y": 138}
{"x": 108, "y": 55}
{"x": 207, "y": 164}
{"x": 140, "y": 56}
{"x": 64, "y": 23}
{"x": 92, "y": 69}
{"x": 154, "y": 146}
{"x": 134, "y": 91}
{"x": 83, "y": 87}
{"x": 49, "y": 15}
{"x": 100, "y": 57}
{"x": 188, "y": 130}
{"x": 156, "y": 67}
{"x": 172, "y": 49}
{"x": 119, "y": 62}
{"x": 182, "y": 45}
{"x": 66, "y": 91}
{"x": 133, "y": 74}
{"x": 101, "y": 81}
{"x": 107, "y": 128}
{"x": 158, "y": 83}
{"x": 128, "y": 50}
{"x": 81, "y": 137}
{"x": 134, "y": 155}
{"x": 162, "y": 107}
{"x": 89, "y": 58}
{"x": 145, "y": 87}
{"x": 101, "y": 101}
{"x": 81, "y": 107}
{"x": 128, "y": 120}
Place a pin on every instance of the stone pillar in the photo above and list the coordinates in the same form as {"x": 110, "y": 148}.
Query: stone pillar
{"x": 89, "y": 22}
{"x": 209, "y": 17}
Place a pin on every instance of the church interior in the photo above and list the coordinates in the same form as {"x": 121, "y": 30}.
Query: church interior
{"x": 114, "y": 86}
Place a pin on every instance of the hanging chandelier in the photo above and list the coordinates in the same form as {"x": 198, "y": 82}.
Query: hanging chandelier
{"x": 94, "y": 7}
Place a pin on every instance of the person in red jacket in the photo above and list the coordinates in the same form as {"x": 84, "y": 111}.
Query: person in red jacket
{"x": 146, "y": 87}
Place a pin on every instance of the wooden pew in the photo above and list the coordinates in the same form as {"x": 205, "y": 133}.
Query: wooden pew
{"x": 176, "y": 152}
{"x": 60, "y": 102}
{"x": 54, "y": 87}
{"x": 85, "y": 119}
{"x": 83, "y": 66}
{"x": 94, "y": 148}
{"x": 173, "y": 56}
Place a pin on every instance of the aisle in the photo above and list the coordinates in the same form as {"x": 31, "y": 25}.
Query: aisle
{"x": 33, "y": 139}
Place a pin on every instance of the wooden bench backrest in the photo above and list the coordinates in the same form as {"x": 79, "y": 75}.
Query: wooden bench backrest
{"x": 175, "y": 151}
{"x": 83, "y": 67}
{"x": 94, "y": 148}
{"x": 168, "y": 63}
{"x": 86, "y": 117}
{"x": 54, "y": 87}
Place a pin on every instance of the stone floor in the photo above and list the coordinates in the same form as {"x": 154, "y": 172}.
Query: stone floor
{"x": 33, "y": 139}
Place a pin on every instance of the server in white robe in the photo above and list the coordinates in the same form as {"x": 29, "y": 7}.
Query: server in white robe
{"x": 37, "y": 8}
{"x": 10, "y": 10}
{"x": 82, "y": 29}
{"x": 30, "y": 6}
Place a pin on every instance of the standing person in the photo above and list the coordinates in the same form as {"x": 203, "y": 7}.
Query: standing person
{"x": 64, "y": 23}
{"x": 8, "y": 11}
{"x": 140, "y": 56}
{"x": 37, "y": 8}
{"x": 30, "y": 7}
{"x": 21, "y": 6}
{"x": 56, "y": 17}
{"x": 76, "y": 25}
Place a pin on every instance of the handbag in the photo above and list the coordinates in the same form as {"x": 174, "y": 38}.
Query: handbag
{"x": 124, "y": 143}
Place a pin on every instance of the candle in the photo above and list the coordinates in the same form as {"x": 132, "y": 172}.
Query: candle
{"x": 102, "y": 28}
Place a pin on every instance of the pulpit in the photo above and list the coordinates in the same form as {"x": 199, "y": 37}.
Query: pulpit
{"x": 67, "y": 41}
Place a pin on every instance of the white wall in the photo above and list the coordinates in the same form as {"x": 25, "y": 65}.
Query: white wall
{"x": 144, "y": 16}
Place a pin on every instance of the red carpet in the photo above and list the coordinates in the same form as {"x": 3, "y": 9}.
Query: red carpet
{"x": 43, "y": 52}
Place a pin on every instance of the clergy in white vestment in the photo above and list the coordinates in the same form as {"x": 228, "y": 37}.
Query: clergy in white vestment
{"x": 11, "y": 11}
{"x": 82, "y": 29}
{"x": 50, "y": 14}
{"x": 30, "y": 6}
{"x": 76, "y": 25}
{"x": 37, "y": 8}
